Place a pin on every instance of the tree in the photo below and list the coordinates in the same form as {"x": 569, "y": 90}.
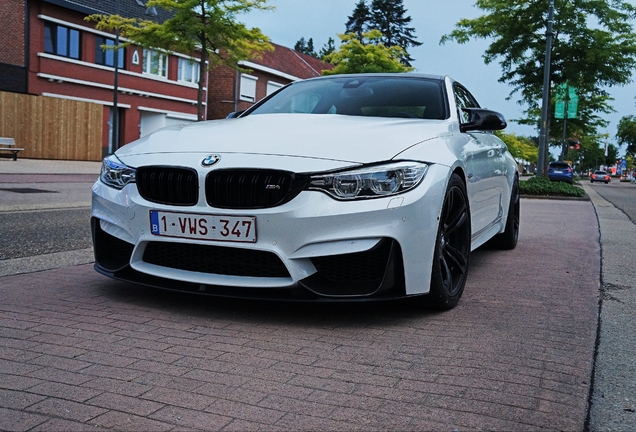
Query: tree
{"x": 365, "y": 56}
{"x": 388, "y": 16}
{"x": 208, "y": 26}
{"x": 520, "y": 147}
{"x": 327, "y": 49}
{"x": 305, "y": 47}
{"x": 626, "y": 133}
{"x": 358, "y": 23}
{"x": 594, "y": 47}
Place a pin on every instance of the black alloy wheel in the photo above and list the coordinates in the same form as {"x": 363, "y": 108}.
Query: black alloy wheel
{"x": 452, "y": 249}
{"x": 507, "y": 240}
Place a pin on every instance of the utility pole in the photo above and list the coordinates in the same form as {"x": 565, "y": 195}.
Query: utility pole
{"x": 543, "y": 134}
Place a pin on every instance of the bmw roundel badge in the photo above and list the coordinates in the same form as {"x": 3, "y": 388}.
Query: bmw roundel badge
{"x": 210, "y": 160}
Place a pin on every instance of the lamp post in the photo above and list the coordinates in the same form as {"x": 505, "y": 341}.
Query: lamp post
{"x": 115, "y": 126}
{"x": 543, "y": 135}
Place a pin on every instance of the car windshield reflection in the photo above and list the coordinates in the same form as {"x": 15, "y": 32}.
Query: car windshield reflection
{"x": 361, "y": 96}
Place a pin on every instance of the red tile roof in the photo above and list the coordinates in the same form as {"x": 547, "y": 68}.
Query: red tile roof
{"x": 292, "y": 62}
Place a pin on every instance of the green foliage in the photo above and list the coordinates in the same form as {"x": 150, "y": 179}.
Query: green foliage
{"x": 358, "y": 22}
{"x": 305, "y": 47}
{"x": 327, "y": 49}
{"x": 541, "y": 186}
{"x": 594, "y": 47}
{"x": 356, "y": 56}
{"x": 626, "y": 133}
{"x": 208, "y": 26}
{"x": 520, "y": 147}
{"x": 389, "y": 17}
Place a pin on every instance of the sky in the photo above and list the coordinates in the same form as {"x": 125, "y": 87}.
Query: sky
{"x": 322, "y": 19}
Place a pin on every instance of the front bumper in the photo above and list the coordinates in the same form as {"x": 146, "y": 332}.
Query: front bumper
{"x": 312, "y": 247}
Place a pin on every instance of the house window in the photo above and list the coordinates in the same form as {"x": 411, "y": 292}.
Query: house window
{"x": 106, "y": 56}
{"x": 248, "y": 88}
{"x": 61, "y": 40}
{"x": 155, "y": 63}
{"x": 188, "y": 71}
{"x": 273, "y": 86}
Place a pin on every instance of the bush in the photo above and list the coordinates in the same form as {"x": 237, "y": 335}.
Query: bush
{"x": 544, "y": 187}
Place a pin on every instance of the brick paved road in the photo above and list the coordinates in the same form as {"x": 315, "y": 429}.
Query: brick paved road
{"x": 81, "y": 352}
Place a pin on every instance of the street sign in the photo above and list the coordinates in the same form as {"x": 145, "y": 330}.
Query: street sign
{"x": 567, "y": 102}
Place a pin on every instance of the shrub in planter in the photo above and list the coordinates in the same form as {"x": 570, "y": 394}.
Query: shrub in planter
{"x": 544, "y": 187}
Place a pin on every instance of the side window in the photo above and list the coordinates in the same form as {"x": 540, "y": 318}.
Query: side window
{"x": 105, "y": 56}
{"x": 272, "y": 86}
{"x": 188, "y": 71}
{"x": 464, "y": 99}
{"x": 248, "y": 88}
{"x": 61, "y": 40}
{"x": 155, "y": 63}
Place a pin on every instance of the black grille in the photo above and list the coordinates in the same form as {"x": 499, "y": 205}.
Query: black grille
{"x": 166, "y": 185}
{"x": 250, "y": 189}
{"x": 360, "y": 267}
{"x": 110, "y": 252}
{"x": 214, "y": 259}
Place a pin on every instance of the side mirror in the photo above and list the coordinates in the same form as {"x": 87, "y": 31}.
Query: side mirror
{"x": 234, "y": 114}
{"x": 484, "y": 120}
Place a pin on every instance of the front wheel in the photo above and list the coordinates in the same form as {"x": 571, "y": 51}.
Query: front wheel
{"x": 452, "y": 248}
{"x": 508, "y": 239}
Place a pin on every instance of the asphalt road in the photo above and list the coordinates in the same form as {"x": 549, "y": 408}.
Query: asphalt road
{"x": 622, "y": 195}
{"x": 29, "y": 233}
{"x": 44, "y": 221}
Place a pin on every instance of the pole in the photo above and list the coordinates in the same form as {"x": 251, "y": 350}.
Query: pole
{"x": 543, "y": 134}
{"x": 116, "y": 89}
{"x": 115, "y": 95}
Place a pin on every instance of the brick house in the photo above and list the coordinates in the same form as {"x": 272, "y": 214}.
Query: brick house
{"x": 231, "y": 90}
{"x": 54, "y": 52}
{"x": 58, "y": 54}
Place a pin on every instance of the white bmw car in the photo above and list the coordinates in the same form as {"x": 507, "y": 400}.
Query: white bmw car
{"x": 348, "y": 187}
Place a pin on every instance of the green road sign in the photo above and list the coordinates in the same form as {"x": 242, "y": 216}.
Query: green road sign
{"x": 566, "y": 100}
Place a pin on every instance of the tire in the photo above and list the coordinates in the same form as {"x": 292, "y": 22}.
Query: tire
{"x": 507, "y": 240}
{"x": 452, "y": 248}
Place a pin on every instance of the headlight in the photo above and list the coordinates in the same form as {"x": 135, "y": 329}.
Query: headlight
{"x": 370, "y": 182}
{"x": 115, "y": 173}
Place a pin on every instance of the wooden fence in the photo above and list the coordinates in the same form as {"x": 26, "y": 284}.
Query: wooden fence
{"x": 52, "y": 128}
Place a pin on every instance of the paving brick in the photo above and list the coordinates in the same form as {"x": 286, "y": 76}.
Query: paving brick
{"x": 124, "y": 421}
{"x": 64, "y": 391}
{"x": 510, "y": 356}
{"x": 18, "y": 400}
{"x": 190, "y": 400}
{"x": 61, "y": 408}
{"x": 184, "y": 418}
{"x": 52, "y": 374}
{"x": 245, "y": 411}
{"x": 127, "y": 404}
{"x": 116, "y": 386}
{"x": 60, "y": 362}
{"x": 15, "y": 420}
{"x": 66, "y": 425}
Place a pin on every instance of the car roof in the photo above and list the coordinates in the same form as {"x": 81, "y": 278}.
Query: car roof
{"x": 383, "y": 75}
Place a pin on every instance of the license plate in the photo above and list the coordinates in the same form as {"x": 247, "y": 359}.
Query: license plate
{"x": 203, "y": 227}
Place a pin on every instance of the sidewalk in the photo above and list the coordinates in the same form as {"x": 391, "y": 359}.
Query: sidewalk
{"x": 47, "y": 166}
{"x": 78, "y": 350}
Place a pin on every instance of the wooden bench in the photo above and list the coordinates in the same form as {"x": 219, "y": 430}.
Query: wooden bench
{"x": 7, "y": 148}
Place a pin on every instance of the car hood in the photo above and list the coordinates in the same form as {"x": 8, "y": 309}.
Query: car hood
{"x": 332, "y": 137}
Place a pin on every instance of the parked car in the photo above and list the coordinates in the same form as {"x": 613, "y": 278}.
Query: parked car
{"x": 352, "y": 187}
{"x": 560, "y": 171}
{"x": 600, "y": 176}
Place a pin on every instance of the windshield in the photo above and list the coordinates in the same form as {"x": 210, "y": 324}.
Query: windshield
{"x": 360, "y": 96}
